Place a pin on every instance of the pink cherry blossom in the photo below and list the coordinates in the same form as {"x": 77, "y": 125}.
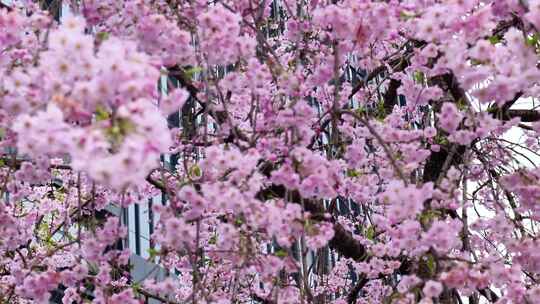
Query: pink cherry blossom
{"x": 270, "y": 151}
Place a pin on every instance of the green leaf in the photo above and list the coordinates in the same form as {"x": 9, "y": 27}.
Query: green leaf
{"x": 101, "y": 113}
{"x": 441, "y": 140}
{"x": 352, "y": 173}
{"x": 192, "y": 71}
{"x": 195, "y": 171}
{"x": 462, "y": 104}
{"x": 136, "y": 287}
{"x": 126, "y": 126}
{"x": 370, "y": 233}
{"x": 476, "y": 62}
{"x": 431, "y": 264}
{"x": 419, "y": 77}
{"x": 119, "y": 130}
{"x": 281, "y": 253}
{"x": 153, "y": 252}
{"x": 380, "y": 113}
{"x": 405, "y": 15}
{"x": 533, "y": 39}
{"x": 494, "y": 39}
{"x": 102, "y": 36}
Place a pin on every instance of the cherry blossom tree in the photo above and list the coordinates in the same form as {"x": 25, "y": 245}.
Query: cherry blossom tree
{"x": 349, "y": 151}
